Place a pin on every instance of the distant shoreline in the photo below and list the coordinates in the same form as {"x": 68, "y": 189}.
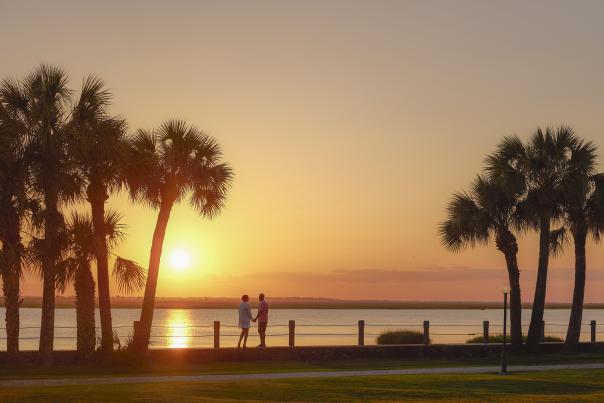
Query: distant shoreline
{"x": 293, "y": 303}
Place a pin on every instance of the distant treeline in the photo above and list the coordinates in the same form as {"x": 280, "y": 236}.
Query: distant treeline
{"x": 294, "y": 303}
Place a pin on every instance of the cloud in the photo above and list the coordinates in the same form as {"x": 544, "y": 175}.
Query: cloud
{"x": 435, "y": 276}
{"x": 373, "y": 276}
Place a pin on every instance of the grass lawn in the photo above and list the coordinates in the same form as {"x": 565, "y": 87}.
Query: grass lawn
{"x": 574, "y": 385}
{"x": 35, "y": 371}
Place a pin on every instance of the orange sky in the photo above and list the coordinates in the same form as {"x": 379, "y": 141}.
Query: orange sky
{"x": 348, "y": 123}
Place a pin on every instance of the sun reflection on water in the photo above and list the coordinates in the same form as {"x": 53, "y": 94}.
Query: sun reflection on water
{"x": 179, "y": 332}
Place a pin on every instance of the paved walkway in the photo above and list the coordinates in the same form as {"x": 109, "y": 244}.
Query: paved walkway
{"x": 283, "y": 375}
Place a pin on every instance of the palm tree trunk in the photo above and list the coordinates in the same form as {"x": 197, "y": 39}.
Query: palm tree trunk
{"x": 506, "y": 243}
{"x": 48, "y": 316}
{"x": 10, "y": 288}
{"x": 515, "y": 300}
{"x": 97, "y": 197}
{"x": 11, "y": 277}
{"x": 143, "y": 333}
{"x": 51, "y": 253}
{"x": 576, "y": 314}
{"x": 534, "y": 333}
{"x": 84, "y": 288}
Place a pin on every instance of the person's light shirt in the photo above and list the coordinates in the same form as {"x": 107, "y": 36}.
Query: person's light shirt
{"x": 263, "y": 311}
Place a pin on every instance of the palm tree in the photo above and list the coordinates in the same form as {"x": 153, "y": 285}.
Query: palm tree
{"x": 40, "y": 104}
{"x": 165, "y": 166}
{"x": 545, "y": 166}
{"x": 544, "y": 162}
{"x": 76, "y": 268}
{"x": 97, "y": 144}
{"x": 583, "y": 206}
{"x": 489, "y": 211}
{"x": 14, "y": 203}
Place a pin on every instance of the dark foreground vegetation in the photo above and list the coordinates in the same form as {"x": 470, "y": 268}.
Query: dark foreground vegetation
{"x": 498, "y": 338}
{"x": 400, "y": 337}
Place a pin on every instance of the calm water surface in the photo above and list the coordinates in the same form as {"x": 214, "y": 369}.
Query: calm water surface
{"x": 175, "y": 328}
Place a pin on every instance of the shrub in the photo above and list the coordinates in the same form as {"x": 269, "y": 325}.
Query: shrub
{"x": 400, "y": 337}
{"x": 498, "y": 338}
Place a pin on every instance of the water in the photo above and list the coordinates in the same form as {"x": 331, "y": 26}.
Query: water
{"x": 176, "y": 328}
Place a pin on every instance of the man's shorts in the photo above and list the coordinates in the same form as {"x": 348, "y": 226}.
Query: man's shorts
{"x": 262, "y": 327}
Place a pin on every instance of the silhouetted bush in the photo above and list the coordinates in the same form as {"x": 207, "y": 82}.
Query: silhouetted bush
{"x": 498, "y": 338}
{"x": 400, "y": 337}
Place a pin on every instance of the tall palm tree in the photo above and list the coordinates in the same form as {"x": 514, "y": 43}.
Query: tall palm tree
{"x": 544, "y": 162}
{"x": 545, "y": 167}
{"x": 14, "y": 203}
{"x": 165, "y": 166}
{"x": 583, "y": 206}
{"x": 76, "y": 268}
{"x": 41, "y": 105}
{"x": 489, "y": 211}
{"x": 97, "y": 144}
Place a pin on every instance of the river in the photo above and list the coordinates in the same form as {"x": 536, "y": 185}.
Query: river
{"x": 175, "y": 328}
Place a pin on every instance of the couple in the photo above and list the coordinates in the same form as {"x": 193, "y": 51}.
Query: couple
{"x": 245, "y": 316}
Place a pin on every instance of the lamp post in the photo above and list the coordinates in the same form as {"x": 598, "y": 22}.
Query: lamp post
{"x": 504, "y": 363}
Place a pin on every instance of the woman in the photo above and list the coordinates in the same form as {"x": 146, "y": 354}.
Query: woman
{"x": 245, "y": 316}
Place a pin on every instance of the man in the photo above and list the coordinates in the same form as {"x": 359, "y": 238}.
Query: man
{"x": 262, "y": 318}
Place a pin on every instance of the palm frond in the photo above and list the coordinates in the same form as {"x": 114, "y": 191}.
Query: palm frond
{"x": 558, "y": 240}
{"x": 467, "y": 224}
{"x": 174, "y": 161}
{"x": 129, "y": 275}
{"x": 34, "y": 253}
{"x": 142, "y": 169}
{"x": 94, "y": 100}
{"x": 81, "y": 235}
{"x": 114, "y": 229}
{"x": 508, "y": 157}
{"x": 65, "y": 272}
{"x": 595, "y": 207}
{"x": 210, "y": 186}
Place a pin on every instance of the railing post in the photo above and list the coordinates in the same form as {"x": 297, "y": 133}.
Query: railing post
{"x": 292, "y": 332}
{"x": 542, "y": 339}
{"x": 216, "y": 334}
{"x": 485, "y": 332}
{"x": 361, "y": 332}
{"x": 593, "y": 331}
{"x": 426, "y": 332}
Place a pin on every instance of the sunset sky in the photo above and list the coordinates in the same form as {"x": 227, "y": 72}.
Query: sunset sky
{"x": 348, "y": 123}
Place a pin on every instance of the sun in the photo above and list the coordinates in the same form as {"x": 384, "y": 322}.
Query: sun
{"x": 180, "y": 259}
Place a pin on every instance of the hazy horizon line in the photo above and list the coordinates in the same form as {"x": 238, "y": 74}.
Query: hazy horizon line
{"x": 308, "y": 298}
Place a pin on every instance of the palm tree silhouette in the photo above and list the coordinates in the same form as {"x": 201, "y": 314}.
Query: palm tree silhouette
{"x": 97, "y": 143}
{"x": 165, "y": 166}
{"x": 75, "y": 268}
{"x": 582, "y": 192}
{"x": 14, "y": 204}
{"x": 488, "y": 211}
{"x": 545, "y": 166}
{"x": 40, "y": 103}
{"x": 544, "y": 162}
